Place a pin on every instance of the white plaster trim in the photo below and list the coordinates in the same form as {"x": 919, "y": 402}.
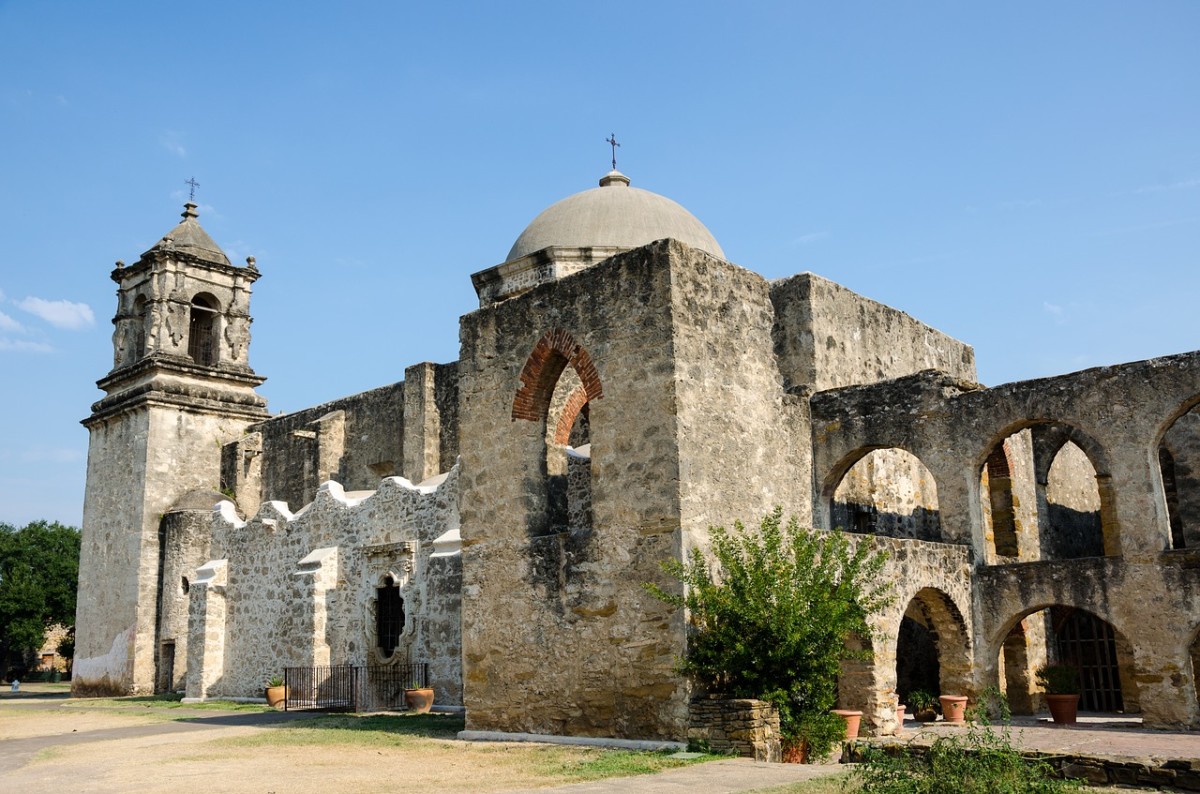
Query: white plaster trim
{"x": 315, "y": 560}
{"x": 210, "y": 573}
{"x": 448, "y": 544}
{"x": 584, "y": 741}
{"x": 228, "y": 513}
{"x": 405, "y": 484}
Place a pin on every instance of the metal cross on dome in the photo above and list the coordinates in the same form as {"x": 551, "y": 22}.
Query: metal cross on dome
{"x": 612, "y": 141}
{"x": 194, "y": 184}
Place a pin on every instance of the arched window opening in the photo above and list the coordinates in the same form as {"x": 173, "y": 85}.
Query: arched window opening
{"x": 1009, "y": 495}
{"x": 1073, "y": 507}
{"x": 389, "y": 616}
{"x": 1166, "y": 464}
{"x": 1179, "y": 465}
{"x": 999, "y": 489}
{"x": 888, "y": 492}
{"x": 1043, "y": 497}
{"x": 202, "y": 331}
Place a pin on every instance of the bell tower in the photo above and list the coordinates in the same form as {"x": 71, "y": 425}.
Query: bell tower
{"x": 180, "y": 386}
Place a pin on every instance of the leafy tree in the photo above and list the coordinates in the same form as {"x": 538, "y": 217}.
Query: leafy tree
{"x": 769, "y": 619}
{"x": 39, "y": 576}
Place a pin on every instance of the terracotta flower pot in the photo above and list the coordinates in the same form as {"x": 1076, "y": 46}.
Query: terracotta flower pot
{"x": 1063, "y": 708}
{"x": 419, "y": 700}
{"x": 793, "y": 752}
{"x": 276, "y": 695}
{"x": 954, "y": 709}
{"x": 853, "y": 720}
{"x": 899, "y": 719}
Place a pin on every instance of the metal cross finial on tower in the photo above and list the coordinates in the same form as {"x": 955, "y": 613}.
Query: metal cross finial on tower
{"x": 612, "y": 141}
{"x": 194, "y": 184}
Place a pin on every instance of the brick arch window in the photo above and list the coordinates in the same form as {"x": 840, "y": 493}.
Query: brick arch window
{"x": 551, "y": 355}
{"x": 558, "y": 383}
{"x": 202, "y": 330}
{"x": 389, "y": 616}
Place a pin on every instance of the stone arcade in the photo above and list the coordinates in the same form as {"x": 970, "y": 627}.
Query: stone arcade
{"x": 620, "y": 388}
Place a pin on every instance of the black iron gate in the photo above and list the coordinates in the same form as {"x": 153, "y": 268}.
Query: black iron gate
{"x": 351, "y": 687}
{"x": 1088, "y": 643}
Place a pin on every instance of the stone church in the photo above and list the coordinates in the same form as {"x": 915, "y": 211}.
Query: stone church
{"x": 622, "y": 387}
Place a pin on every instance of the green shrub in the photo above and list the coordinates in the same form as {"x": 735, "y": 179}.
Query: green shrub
{"x": 1058, "y": 679}
{"x": 769, "y": 619}
{"x": 984, "y": 761}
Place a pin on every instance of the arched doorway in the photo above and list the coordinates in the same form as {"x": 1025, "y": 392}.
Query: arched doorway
{"x": 1066, "y": 635}
{"x": 933, "y": 652}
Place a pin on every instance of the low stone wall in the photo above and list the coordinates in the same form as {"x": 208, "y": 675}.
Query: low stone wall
{"x": 748, "y": 728}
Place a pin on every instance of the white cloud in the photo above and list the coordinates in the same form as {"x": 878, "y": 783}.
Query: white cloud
{"x": 22, "y": 346}
{"x": 173, "y": 143}
{"x": 61, "y": 313}
{"x": 810, "y": 237}
{"x": 1184, "y": 185}
{"x": 7, "y": 323}
{"x": 1057, "y": 312}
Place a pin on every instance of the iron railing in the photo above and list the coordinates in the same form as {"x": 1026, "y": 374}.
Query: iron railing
{"x": 352, "y": 688}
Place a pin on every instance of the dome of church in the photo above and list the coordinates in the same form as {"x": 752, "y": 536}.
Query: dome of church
{"x": 616, "y": 215}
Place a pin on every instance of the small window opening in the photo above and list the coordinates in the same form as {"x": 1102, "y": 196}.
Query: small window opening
{"x": 389, "y": 616}
{"x": 202, "y": 331}
{"x": 184, "y": 585}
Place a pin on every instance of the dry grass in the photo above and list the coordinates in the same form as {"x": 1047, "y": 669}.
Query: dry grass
{"x": 327, "y": 754}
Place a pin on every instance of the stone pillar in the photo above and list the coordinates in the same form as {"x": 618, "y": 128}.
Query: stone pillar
{"x": 749, "y": 728}
{"x": 331, "y": 445}
{"x": 422, "y": 423}
{"x": 206, "y": 628}
{"x": 316, "y": 575}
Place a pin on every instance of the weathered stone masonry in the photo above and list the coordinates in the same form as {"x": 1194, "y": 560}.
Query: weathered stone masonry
{"x": 617, "y": 392}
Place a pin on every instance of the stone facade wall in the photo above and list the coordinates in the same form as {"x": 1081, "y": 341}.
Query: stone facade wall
{"x": 747, "y": 728}
{"x": 743, "y": 447}
{"x": 140, "y": 464}
{"x": 827, "y": 336}
{"x": 185, "y": 533}
{"x": 300, "y": 589}
{"x": 360, "y": 449}
{"x": 111, "y": 545}
{"x": 1113, "y": 414}
{"x": 559, "y": 636}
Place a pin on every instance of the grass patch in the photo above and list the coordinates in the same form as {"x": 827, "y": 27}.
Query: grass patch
{"x": 596, "y": 764}
{"x": 173, "y": 701}
{"x": 377, "y": 730}
{"x": 834, "y": 784}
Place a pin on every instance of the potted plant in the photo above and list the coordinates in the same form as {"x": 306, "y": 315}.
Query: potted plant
{"x": 418, "y": 698}
{"x": 276, "y": 692}
{"x": 853, "y": 720}
{"x": 923, "y": 706}
{"x": 1061, "y": 682}
{"x": 954, "y": 708}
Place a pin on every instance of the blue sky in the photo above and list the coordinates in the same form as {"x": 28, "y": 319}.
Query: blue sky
{"x": 1024, "y": 176}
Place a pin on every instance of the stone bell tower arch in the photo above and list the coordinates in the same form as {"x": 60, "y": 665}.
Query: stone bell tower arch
{"x": 180, "y": 386}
